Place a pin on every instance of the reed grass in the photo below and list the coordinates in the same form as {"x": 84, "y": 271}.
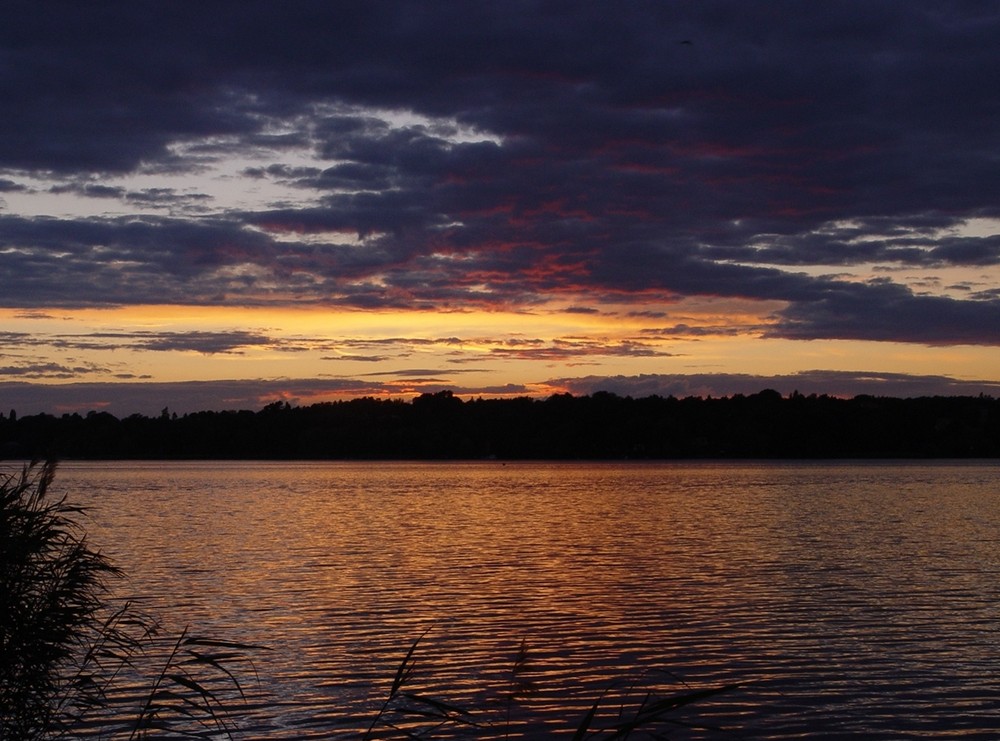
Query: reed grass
{"x": 642, "y": 706}
{"x": 413, "y": 713}
{"x": 66, "y": 644}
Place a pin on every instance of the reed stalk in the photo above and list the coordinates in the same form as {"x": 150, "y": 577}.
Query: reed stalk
{"x": 66, "y": 642}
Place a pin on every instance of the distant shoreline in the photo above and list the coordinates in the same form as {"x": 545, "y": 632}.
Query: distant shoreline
{"x": 601, "y": 426}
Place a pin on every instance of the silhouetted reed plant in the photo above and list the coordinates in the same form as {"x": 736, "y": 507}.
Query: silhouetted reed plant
{"x": 67, "y": 646}
{"x": 645, "y": 705}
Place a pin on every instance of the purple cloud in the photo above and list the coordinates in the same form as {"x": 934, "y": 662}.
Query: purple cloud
{"x": 504, "y": 154}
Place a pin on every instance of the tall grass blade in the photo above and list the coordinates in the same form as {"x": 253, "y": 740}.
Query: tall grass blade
{"x": 588, "y": 718}
{"x": 405, "y": 669}
{"x": 403, "y": 672}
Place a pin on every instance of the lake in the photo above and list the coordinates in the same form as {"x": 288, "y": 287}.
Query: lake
{"x": 849, "y": 599}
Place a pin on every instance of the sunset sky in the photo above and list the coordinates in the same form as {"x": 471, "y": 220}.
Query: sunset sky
{"x": 217, "y": 205}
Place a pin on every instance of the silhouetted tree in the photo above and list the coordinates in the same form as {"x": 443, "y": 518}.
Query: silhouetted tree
{"x": 602, "y": 425}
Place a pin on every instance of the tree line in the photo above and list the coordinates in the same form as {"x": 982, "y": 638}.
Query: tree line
{"x": 602, "y": 425}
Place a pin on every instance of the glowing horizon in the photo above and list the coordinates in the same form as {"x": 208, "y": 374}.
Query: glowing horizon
{"x": 401, "y": 354}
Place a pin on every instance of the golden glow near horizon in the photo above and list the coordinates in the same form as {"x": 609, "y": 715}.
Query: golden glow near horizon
{"x": 408, "y": 352}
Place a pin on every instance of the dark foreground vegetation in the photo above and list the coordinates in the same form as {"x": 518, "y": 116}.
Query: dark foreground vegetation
{"x": 68, "y": 645}
{"x": 603, "y": 425}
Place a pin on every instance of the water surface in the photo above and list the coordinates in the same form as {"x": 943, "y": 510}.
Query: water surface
{"x": 857, "y": 600}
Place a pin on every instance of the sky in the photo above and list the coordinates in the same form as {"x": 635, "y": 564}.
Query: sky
{"x": 218, "y": 205}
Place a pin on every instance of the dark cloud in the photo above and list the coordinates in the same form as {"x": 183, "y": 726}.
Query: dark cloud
{"x": 904, "y": 244}
{"x": 123, "y": 260}
{"x": 149, "y": 197}
{"x": 60, "y": 371}
{"x": 687, "y": 331}
{"x": 569, "y": 349}
{"x": 208, "y": 343}
{"x": 89, "y": 190}
{"x": 967, "y": 251}
{"x": 886, "y": 311}
{"x": 9, "y": 339}
{"x": 833, "y": 383}
{"x": 34, "y": 315}
{"x": 497, "y": 154}
{"x": 360, "y": 358}
{"x": 305, "y": 176}
{"x": 431, "y": 373}
{"x": 168, "y": 198}
{"x": 203, "y": 342}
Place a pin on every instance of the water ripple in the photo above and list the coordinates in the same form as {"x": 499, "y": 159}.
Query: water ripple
{"x": 850, "y": 600}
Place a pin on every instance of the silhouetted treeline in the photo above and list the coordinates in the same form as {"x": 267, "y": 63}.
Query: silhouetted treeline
{"x": 602, "y": 425}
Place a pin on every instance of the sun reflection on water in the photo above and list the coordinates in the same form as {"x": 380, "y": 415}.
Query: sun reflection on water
{"x": 848, "y": 595}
